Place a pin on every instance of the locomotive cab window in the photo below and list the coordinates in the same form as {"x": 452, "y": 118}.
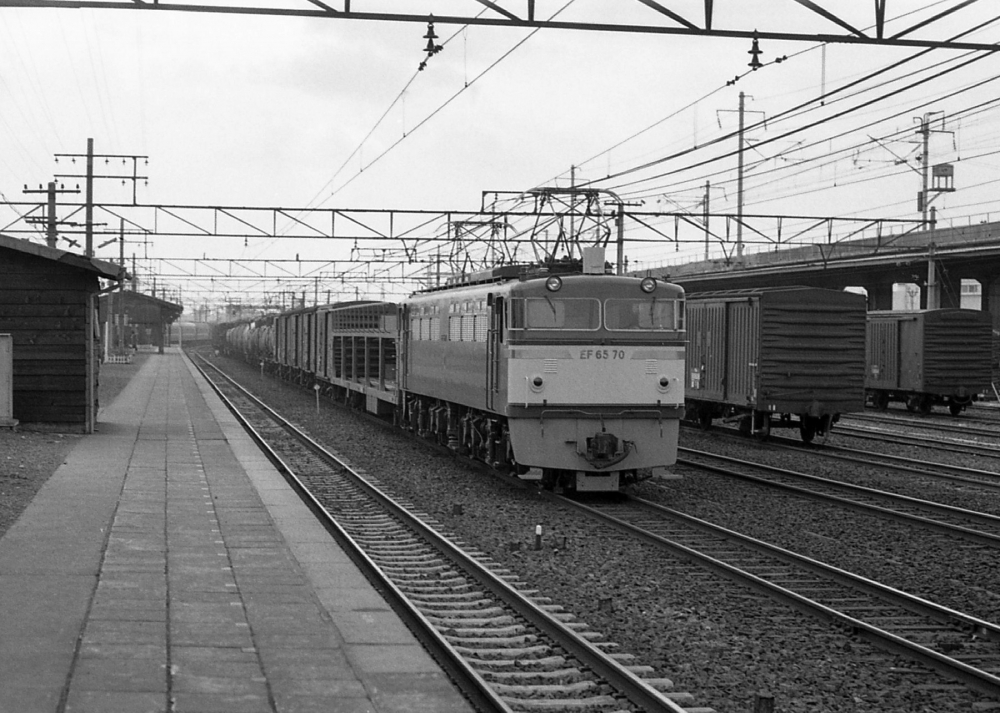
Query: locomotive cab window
{"x": 555, "y": 313}
{"x": 643, "y": 315}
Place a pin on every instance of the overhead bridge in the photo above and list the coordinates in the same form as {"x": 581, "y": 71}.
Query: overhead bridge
{"x": 935, "y": 261}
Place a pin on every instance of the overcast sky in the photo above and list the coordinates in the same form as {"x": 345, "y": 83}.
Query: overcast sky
{"x": 267, "y": 111}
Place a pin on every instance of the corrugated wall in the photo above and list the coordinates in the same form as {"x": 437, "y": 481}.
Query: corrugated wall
{"x": 812, "y": 351}
{"x": 958, "y": 348}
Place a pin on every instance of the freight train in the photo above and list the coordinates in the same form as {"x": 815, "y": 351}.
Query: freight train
{"x": 777, "y": 357}
{"x": 929, "y": 357}
{"x": 572, "y": 378}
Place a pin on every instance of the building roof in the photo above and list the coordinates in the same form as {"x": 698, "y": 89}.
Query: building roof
{"x": 139, "y": 304}
{"x": 102, "y": 268}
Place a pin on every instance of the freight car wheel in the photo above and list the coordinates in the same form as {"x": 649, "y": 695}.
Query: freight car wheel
{"x": 807, "y": 429}
{"x": 763, "y": 423}
{"x": 919, "y": 403}
{"x": 881, "y": 401}
{"x": 955, "y": 408}
{"x": 705, "y": 419}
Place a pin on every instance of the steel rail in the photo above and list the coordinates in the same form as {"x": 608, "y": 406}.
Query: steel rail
{"x": 472, "y": 684}
{"x": 951, "y": 446}
{"x": 975, "y": 678}
{"x": 626, "y": 682}
{"x": 886, "y": 461}
{"x": 962, "y": 426}
{"x": 982, "y": 538}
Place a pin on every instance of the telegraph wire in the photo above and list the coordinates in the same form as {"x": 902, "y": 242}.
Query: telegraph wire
{"x": 797, "y": 130}
{"x": 982, "y": 106}
{"x": 448, "y": 101}
{"x": 801, "y": 106}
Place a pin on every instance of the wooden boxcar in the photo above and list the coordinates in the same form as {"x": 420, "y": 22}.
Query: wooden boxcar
{"x": 929, "y": 357}
{"x": 775, "y": 357}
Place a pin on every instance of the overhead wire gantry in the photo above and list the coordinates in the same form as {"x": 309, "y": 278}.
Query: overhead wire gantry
{"x": 643, "y": 17}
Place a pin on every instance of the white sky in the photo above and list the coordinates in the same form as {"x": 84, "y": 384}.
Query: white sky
{"x": 267, "y": 111}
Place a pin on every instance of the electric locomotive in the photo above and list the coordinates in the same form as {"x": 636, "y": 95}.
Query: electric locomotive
{"x": 573, "y": 379}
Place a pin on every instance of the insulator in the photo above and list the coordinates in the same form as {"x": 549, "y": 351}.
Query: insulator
{"x": 754, "y": 53}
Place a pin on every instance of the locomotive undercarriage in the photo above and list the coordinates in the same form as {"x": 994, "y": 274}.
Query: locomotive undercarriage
{"x": 485, "y": 437}
{"x": 469, "y": 432}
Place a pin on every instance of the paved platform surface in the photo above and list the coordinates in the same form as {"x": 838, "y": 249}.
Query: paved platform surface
{"x": 166, "y": 566}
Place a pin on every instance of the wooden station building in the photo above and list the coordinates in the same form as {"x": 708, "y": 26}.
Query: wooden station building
{"x": 134, "y": 319}
{"x": 49, "y": 306}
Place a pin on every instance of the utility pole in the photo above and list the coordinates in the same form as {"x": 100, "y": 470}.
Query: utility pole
{"x": 739, "y": 190}
{"x": 121, "y": 288}
{"x": 89, "y": 177}
{"x": 944, "y": 176}
{"x": 51, "y": 237}
{"x": 572, "y": 203}
{"x": 705, "y": 213}
{"x": 944, "y": 182}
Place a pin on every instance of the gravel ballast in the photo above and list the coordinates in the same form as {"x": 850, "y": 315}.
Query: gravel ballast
{"x": 719, "y": 641}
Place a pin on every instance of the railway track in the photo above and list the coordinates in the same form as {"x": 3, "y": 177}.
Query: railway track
{"x": 956, "y": 645}
{"x": 970, "y": 525}
{"x": 508, "y": 648}
{"x": 959, "y": 475}
{"x": 950, "y": 445}
{"x": 962, "y": 427}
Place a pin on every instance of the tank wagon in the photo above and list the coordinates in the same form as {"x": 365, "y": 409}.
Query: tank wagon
{"x": 779, "y": 357}
{"x": 252, "y": 341}
{"x": 573, "y": 379}
{"x": 928, "y": 357}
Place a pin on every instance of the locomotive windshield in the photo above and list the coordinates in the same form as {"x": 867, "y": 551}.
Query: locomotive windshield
{"x": 555, "y": 313}
{"x": 643, "y": 315}
{"x": 585, "y": 314}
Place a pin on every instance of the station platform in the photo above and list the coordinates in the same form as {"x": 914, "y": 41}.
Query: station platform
{"x": 167, "y": 567}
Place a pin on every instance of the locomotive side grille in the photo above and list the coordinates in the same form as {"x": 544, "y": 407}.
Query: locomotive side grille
{"x": 551, "y": 366}
{"x": 652, "y": 366}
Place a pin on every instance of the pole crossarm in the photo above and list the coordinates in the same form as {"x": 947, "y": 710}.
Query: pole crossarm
{"x": 660, "y": 19}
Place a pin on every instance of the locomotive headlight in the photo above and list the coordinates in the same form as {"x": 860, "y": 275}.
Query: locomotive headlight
{"x": 664, "y": 384}
{"x": 553, "y": 283}
{"x": 536, "y": 382}
{"x": 648, "y": 284}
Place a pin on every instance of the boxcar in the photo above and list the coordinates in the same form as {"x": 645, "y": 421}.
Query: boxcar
{"x": 775, "y": 357}
{"x": 928, "y": 357}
